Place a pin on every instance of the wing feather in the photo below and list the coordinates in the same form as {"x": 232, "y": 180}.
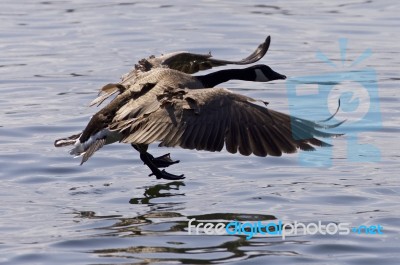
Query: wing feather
{"x": 208, "y": 119}
{"x": 96, "y": 145}
{"x": 182, "y": 61}
{"x": 191, "y": 63}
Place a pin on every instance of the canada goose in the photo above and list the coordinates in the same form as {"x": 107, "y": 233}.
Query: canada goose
{"x": 185, "y": 62}
{"x": 159, "y": 101}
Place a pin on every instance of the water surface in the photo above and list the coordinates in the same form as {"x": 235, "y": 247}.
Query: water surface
{"x": 54, "y": 57}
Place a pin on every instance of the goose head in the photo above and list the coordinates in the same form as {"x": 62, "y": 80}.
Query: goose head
{"x": 264, "y": 73}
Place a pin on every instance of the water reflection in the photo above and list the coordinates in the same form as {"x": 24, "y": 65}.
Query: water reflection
{"x": 156, "y": 192}
{"x": 168, "y": 241}
{"x": 164, "y": 237}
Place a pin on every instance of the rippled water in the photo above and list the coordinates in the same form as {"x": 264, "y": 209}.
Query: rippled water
{"x": 56, "y": 54}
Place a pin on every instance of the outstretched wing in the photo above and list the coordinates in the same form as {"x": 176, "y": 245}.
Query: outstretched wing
{"x": 208, "y": 119}
{"x": 191, "y": 63}
{"x": 182, "y": 61}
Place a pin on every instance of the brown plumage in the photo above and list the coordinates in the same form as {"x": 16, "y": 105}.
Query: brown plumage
{"x": 207, "y": 119}
{"x": 159, "y": 101}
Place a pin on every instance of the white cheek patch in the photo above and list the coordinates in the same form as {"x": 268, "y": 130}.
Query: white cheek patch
{"x": 260, "y": 76}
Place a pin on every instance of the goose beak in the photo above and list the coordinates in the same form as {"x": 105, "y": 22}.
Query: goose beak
{"x": 279, "y": 76}
{"x": 275, "y": 75}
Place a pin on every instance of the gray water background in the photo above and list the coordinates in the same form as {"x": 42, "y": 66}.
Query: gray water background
{"x": 55, "y": 55}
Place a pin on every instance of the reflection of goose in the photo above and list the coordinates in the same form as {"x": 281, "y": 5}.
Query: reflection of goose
{"x": 159, "y": 191}
{"x": 160, "y": 101}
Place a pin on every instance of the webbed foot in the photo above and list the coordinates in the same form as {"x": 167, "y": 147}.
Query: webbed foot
{"x": 163, "y": 161}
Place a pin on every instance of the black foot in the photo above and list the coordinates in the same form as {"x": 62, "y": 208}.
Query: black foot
{"x": 163, "y": 161}
{"x": 162, "y": 174}
{"x": 149, "y": 160}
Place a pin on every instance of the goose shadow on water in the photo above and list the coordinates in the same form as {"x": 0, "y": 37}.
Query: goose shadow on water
{"x": 161, "y": 233}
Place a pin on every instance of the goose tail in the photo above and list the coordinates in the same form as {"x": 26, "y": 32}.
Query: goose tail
{"x": 67, "y": 141}
{"x": 87, "y": 148}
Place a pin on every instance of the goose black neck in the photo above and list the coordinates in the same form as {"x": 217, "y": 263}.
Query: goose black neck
{"x": 216, "y": 78}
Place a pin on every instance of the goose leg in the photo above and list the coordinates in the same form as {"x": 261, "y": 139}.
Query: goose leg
{"x": 155, "y": 163}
